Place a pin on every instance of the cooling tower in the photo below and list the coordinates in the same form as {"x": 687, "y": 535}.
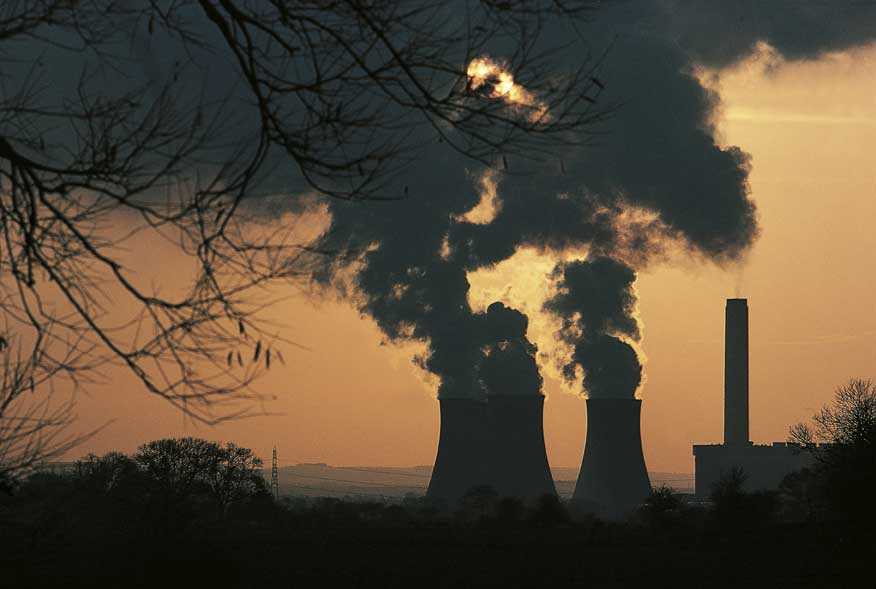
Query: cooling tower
{"x": 613, "y": 479}
{"x": 518, "y": 460}
{"x": 736, "y": 373}
{"x": 461, "y": 462}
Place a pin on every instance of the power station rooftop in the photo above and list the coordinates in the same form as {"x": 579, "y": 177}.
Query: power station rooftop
{"x": 752, "y": 446}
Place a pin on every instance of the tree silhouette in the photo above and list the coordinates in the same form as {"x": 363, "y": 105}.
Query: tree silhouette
{"x": 735, "y": 508}
{"x": 662, "y": 508}
{"x": 479, "y": 502}
{"x": 549, "y": 511}
{"x": 842, "y": 440}
{"x": 183, "y": 467}
{"x": 128, "y": 123}
{"x": 180, "y": 468}
{"x": 233, "y": 474}
{"x": 32, "y": 427}
{"x": 802, "y": 496}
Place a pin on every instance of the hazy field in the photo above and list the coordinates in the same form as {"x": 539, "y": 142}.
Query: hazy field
{"x": 386, "y": 482}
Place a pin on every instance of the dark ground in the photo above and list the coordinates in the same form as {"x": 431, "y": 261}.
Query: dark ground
{"x": 405, "y": 554}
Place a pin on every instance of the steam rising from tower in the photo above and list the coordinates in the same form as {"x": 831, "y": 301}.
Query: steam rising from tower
{"x": 494, "y": 436}
{"x": 407, "y": 263}
{"x": 596, "y": 302}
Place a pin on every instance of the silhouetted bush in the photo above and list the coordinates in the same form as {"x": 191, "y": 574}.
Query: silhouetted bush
{"x": 6, "y": 484}
{"x": 663, "y": 510}
{"x": 842, "y": 440}
{"x": 168, "y": 488}
{"x": 511, "y": 510}
{"x": 103, "y": 522}
{"x": 549, "y": 511}
{"x": 735, "y": 509}
{"x": 478, "y": 503}
{"x": 801, "y": 497}
{"x": 187, "y": 473}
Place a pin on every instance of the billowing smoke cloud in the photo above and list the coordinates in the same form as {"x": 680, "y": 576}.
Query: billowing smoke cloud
{"x": 408, "y": 260}
{"x": 413, "y": 290}
{"x": 720, "y": 33}
{"x": 508, "y": 366}
{"x": 656, "y": 154}
{"x": 597, "y": 304}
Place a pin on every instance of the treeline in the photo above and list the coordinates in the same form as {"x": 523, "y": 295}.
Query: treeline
{"x": 166, "y": 488}
{"x": 188, "y": 511}
{"x": 197, "y": 513}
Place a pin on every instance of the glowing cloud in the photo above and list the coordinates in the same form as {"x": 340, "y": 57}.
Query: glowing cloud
{"x": 488, "y": 206}
{"x": 492, "y": 78}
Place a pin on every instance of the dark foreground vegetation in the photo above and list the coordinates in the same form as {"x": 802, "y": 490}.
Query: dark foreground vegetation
{"x": 192, "y": 513}
{"x": 111, "y": 524}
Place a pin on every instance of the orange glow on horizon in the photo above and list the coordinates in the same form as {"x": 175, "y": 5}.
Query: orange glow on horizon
{"x": 351, "y": 399}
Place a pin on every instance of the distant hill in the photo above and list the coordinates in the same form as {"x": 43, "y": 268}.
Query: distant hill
{"x": 393, "y": 483}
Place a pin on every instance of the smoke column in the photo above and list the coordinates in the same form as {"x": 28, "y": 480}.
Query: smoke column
{"x": 405, "y": 263}
{"x": 596, "y": 303}
{"x": 657, "y": 153}
{"x": 719, "y": 34}
{"x": 412, "y": 278}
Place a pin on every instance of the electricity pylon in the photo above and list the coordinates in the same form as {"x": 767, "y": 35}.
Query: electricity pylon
{"x": 275, "y": 481}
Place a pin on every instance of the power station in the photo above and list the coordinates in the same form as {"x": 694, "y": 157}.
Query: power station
{"x": 764, "y": 466}
{"x": 499, "y": 442}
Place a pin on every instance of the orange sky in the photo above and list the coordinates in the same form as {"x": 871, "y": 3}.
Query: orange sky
{"x": 810, "y": 128}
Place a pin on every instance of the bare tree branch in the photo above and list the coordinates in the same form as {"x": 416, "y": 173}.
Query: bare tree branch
{"x": 124, "y": 140}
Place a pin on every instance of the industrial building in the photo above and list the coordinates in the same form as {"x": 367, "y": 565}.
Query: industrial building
{"x": 764, "y": 466}
{"x": 499, "y": 442}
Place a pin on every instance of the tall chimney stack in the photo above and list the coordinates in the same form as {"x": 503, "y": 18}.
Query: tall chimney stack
{"x": 736, "y": 373}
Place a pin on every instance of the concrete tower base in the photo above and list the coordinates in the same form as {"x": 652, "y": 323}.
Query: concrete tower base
{"x": 497, "y": 443}
{"x": 519, "y": 464}
{"x": 461, "y": 462}
{"x": 613, "y": 480}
